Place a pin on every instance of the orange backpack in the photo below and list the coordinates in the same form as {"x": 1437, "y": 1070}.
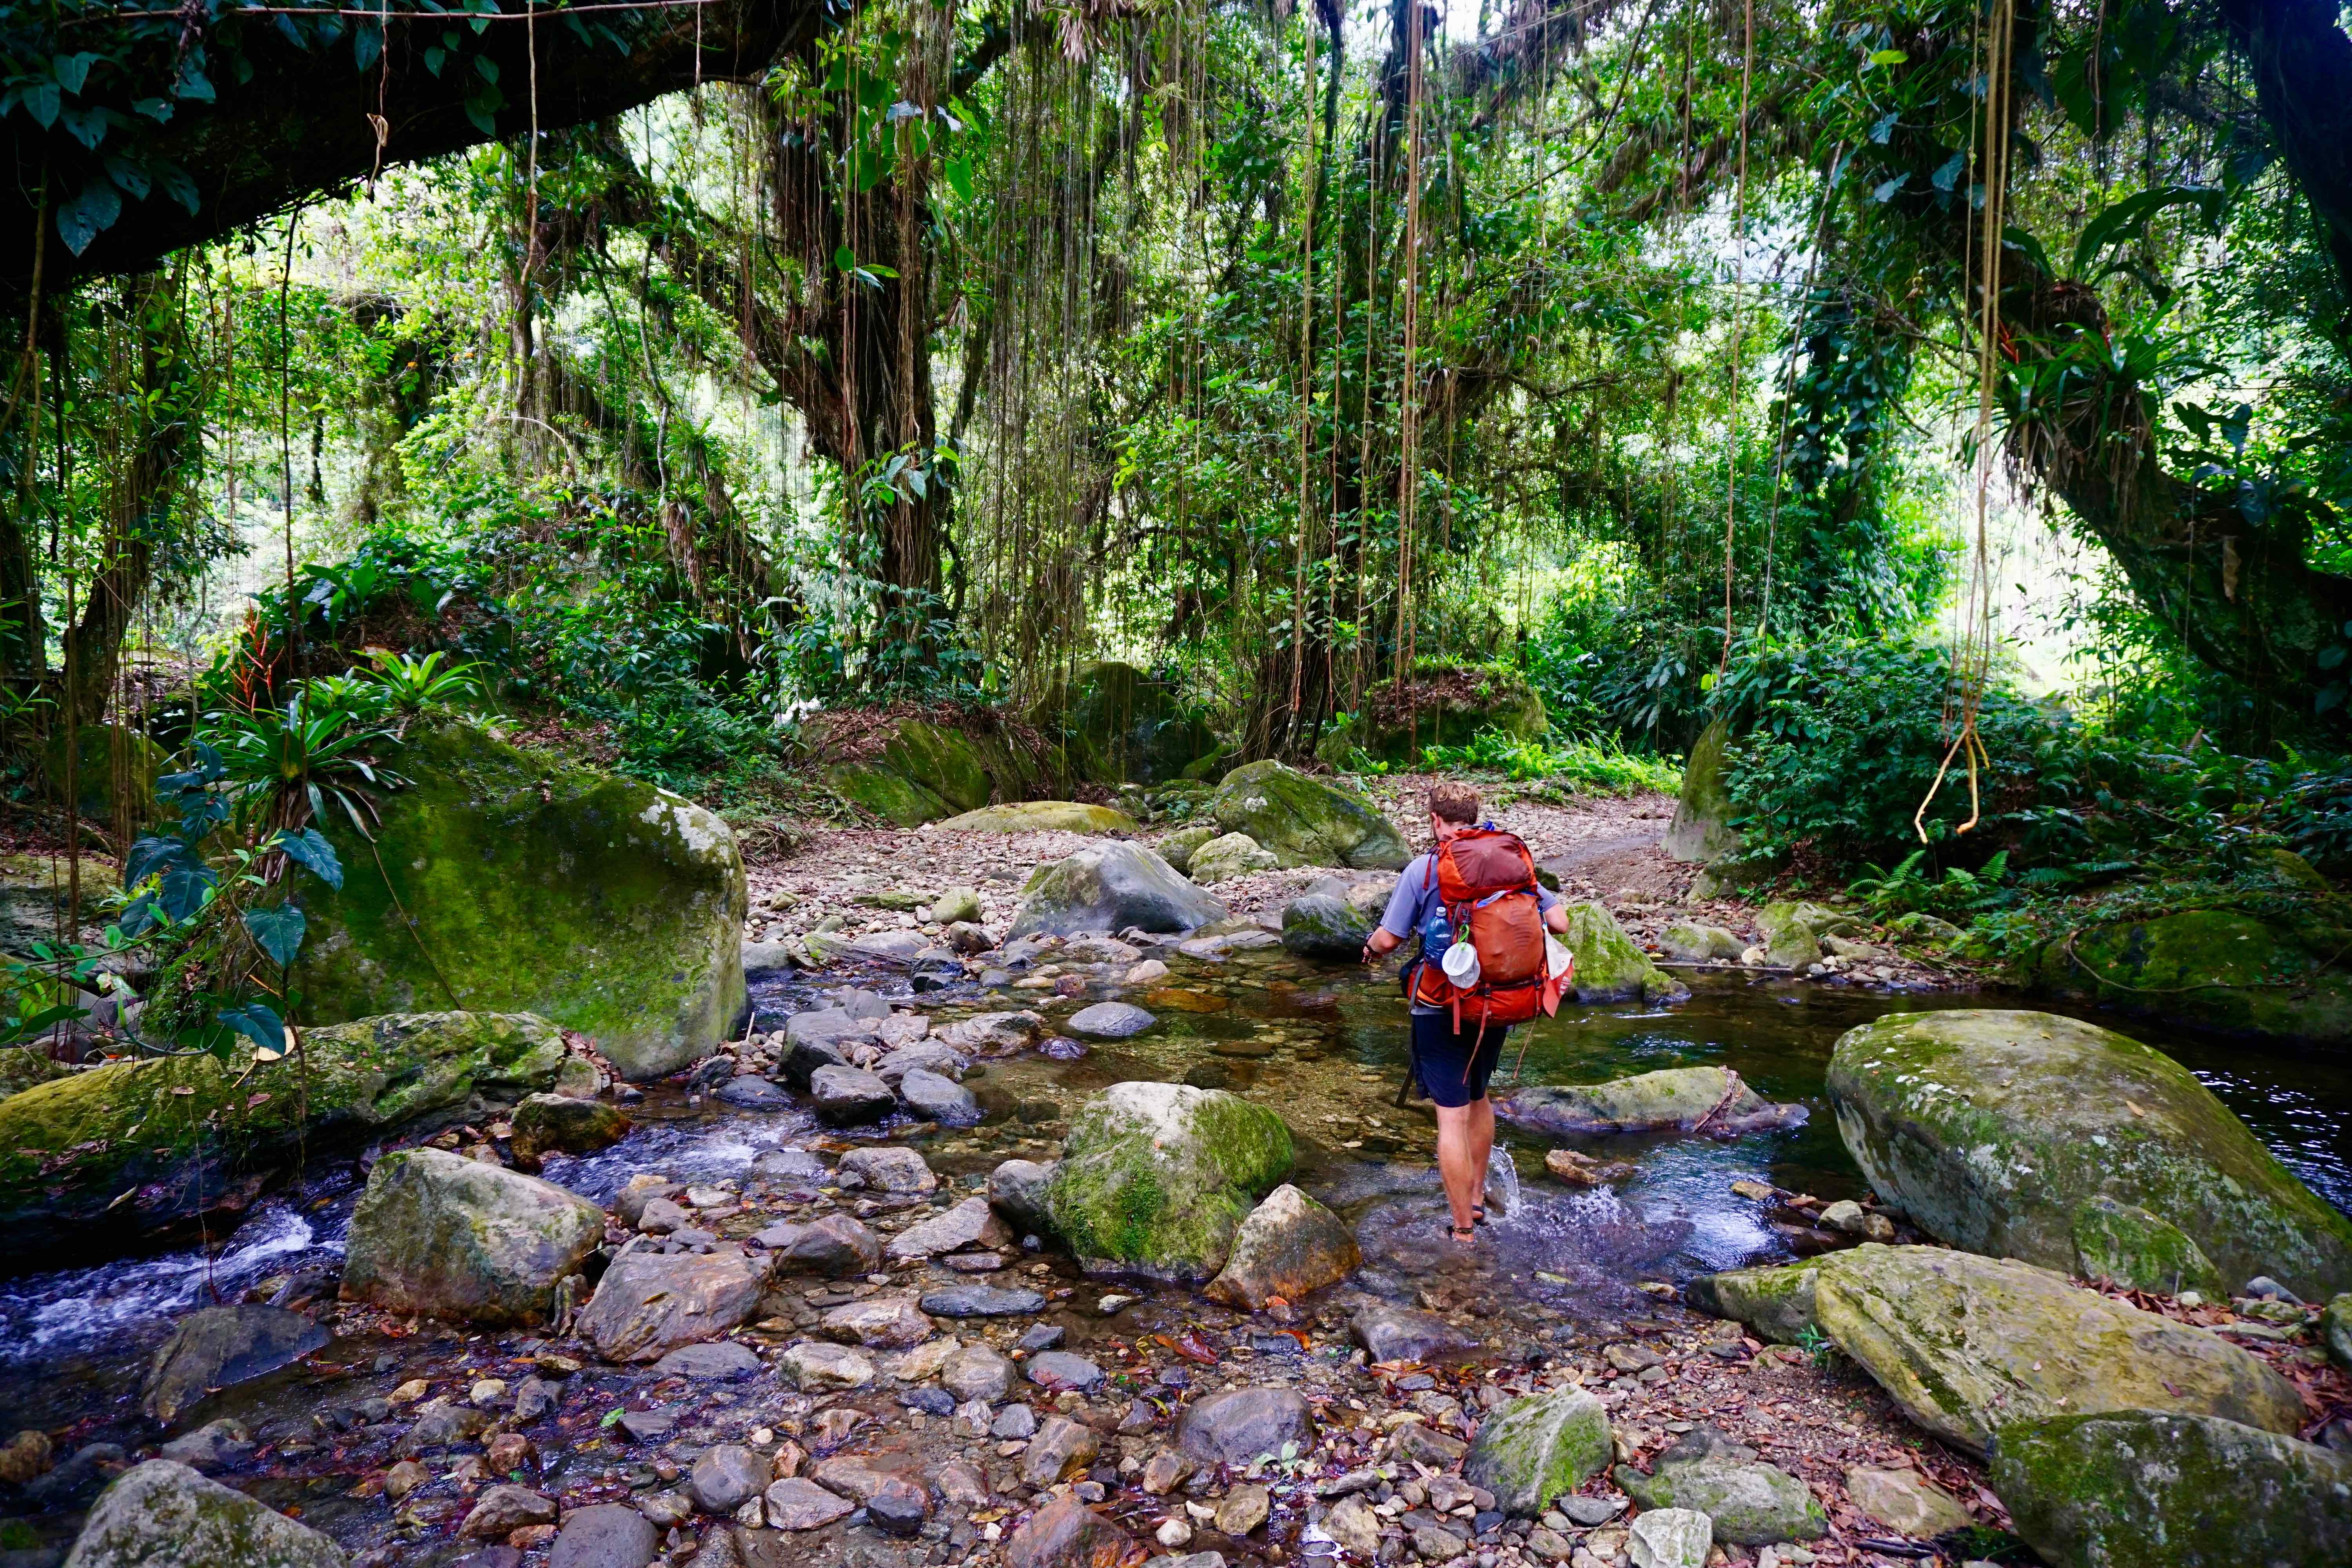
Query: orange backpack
{"x": 1486, "y": 880}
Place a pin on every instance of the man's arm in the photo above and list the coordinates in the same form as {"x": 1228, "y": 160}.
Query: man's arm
{"x": 1556, "y": 920}
{"x": 1381, "y": 942}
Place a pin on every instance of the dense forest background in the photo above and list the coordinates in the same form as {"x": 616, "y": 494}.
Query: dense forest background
{"x": 683, "y": 372}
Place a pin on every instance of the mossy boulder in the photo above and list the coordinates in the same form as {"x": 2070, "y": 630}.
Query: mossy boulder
{"x": 1966, "y": 1344}
{"x": 1701, "y": 828}
{"x": 22, "y": 1066}
{"x": 1040, "y": 816}
{"x": 1442, "y": 707}
{"x": 1154, "y": 1178}
{"x": 113, "y": 767}
{"x": 924, "y": 771}
{"x": 1610, "y": 966}
{"x": 103, "y": 1161}
{"x": 1793, "y": 930}
{"x": 1229, "y": 856}
{"x": 34, "y": 892}
{"x": 1304, "y": 821}
{"x": 164, "y": 1515}
{"x": 2123, "y": 1244}
{"x": 1997, "y": 1131}
{"x": 1117, "y": 725}
{"x": 1672, "y": 1099}
{"x": 442, "y": 1235}
{"x": 1325, "y": 927}
{"x": 1751, "y": 1503}
{"x": 1179, "y": 847}
{"x": 2215, "y": 969}
{"x": 1108, "y": 888}
{"x": 505, "y": 881}
{"x": 2146, "y": 1489}
{"x": 1532, "y": 1449}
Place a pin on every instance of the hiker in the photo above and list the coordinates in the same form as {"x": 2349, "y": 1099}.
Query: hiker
{"x": 1475, "y": 891}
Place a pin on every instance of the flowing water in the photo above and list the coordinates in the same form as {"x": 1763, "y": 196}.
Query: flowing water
{"x": 1324, "y": 1047}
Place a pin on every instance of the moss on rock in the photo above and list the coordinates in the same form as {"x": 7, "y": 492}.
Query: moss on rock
{"x": 1647, "y": 1102}
{"x": 101, "y": 1162}
{"x": 925, "y": 772}
{"x": 1155, "y": 1177}
{"x": 1304, "y": 821}
{"x": 1995, "y": 1128}
{"x": 1532, "y": 1449}
{"x": 1701, "y": 828}
{"x": 1042, "y": 816}
{"x": 2145, "y": 1488}
{"x": 2125, "y": 1245}
{"x": 1452, "y": 709}
{"x": 1610, "y": 966}
{"x": 506, "y": 881}
{"x": 162, "y": 1515}
{"x": 2217, "y": 969}
{"x": 446, "y": 1237}
{"x": 1117, "y": 725}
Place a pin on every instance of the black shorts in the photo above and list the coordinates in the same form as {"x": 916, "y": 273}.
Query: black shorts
{"x": 1454, "y": 1068}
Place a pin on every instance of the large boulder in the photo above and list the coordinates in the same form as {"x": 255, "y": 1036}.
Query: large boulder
{"x": 649, "y": 1303}
{"x": 1040, "y": 816}
{"x": 217, "y": 1347}
{"x": 1155, "y": 1177}
{"x": 1672, "y": 1099}
{"x": 501, "y": 881}
{"x": 1701, "y": 828}
{"x": 445, "y": 1236}
{"x": 1966, "y": 1344}
{"x": 1288, "y": 1245}
{"x": 34, "y": 891}
{"x": 2218, "y": 969}
{"x": 1610, "y": 966}
{"x": 1532, "y": 1449}
{"x": 164, "y": 1515}
{"x": 1108, "y": 888}
{"x": 1331, "y": 921}
{"x": 912, "y": 771}
{"x": 2146, "y": 1489}
{"x": 1231, "y": 855}
{"x": 1793, "y": 928}
{"x": 2023, "y": 1136}
{"x": 198, "y": 1137}
{"x": 1304, "y": 821}
{"x": 1117, "y": 725}
{"x": 1438, "y": 708}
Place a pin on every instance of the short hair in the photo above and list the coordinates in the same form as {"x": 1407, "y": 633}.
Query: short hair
{"x": 1453, "y": 802}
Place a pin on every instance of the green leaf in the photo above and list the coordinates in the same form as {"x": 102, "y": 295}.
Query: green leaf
{"x": 309, "y": 849}
{"x": 844, "y": 258}
{"x": 257, "y": 1022}
{"x": 958, "y": 172}
{"x": 277, "y": 931}
{"x": 1888, "y": 58}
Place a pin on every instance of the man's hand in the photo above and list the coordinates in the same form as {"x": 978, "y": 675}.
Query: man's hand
{"x": 1380, "y": 944}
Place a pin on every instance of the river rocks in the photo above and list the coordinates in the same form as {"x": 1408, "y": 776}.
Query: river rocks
{"x": 2335, "y": 1329}
{"x": 890, "y": 1170}
{"x": 215, "y": 1446}
{"x": 849, "y": 1097}
{"x": 1793, "y": 930}
{"x": 446, "y": 1237}
{"x": 1905, "y": 1502}
{"x": 1610, "y": 966}
{"x": 877, "y": 1322}
{"x": 529, "y": 884}
{"x": 968, "y": 1223}
{"x": 1406, "y": 1334}
{"x": 1965, "y": 1344}
{"x": 564, "y": 1124}
{"x": 1236, "y": 1426}
{"x": 604, "y": 1535}
{"x": 1063, "y": 1532}
{"x": 1178, "y": 847}
{"x": 1304, "y": 821}
{"x": 721, "y": 1361}
{"x": 796, "y": 1504}
{"x": 1996, "y": 1130}
{"x": 1531, "y": 1449}
{"x": 1110, "y": 1021}
{"x": 1154, "y": 1178}
{"x": 1324, "y": 928}
{"x": 1017, "y": 1189}
{"x": 2220, "y": 969}
{"x": 1057, "y": 1370}
{"x": 935, "y": 1098}
{"x": 189, "y": 1136}
{"x": 1752, "y": 1503}
{"x": 980, "y": 1301}
{"x": 218, "y": 1346}
{"x": 832, "y": 1246}
{"x": 163, "y": 1515}
{"x": 1287, "y": 1247}
{"x": 1061, "y": 1448}
{"x": 1701, "y": 827}
{"x": 1691, "y": 942}
{"x": 977, "y": 1370}
{"x": 725, "y": 1477}
{"x": 1108, "y": 888}
{"x": 1688, "y": 1099}
{"x": 649, "y": 1303}
{"x": 504, "y": 1509}
{"x": 1670, "y": 1537}
{"x": 1228, "y": 855}
{"x": 1035, "y": 816}
{"x": 816, "y": 1367}
{"x": 2142, "y": 1488}
{"x": 26, "y": 1457}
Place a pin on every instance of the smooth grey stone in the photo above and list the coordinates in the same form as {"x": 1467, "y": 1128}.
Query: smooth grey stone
{"x": 1110, "y": 1020}
{"x": 980, "y": 1301}
{"x": 717, "y": 1359}
{"x": 749, "y": 1091}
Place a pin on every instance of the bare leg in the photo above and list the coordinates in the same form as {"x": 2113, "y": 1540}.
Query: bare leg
{"x": 1461, "y": 1160}
{"x": 1481, "y": 1132}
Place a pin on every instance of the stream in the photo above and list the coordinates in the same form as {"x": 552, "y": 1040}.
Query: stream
{"x": 1326, "y": 1047}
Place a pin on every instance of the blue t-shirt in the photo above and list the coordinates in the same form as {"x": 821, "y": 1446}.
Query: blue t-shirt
{"x": 1416, "y": 899}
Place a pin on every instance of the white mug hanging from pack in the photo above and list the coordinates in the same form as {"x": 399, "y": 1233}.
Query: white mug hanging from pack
{"x": 1557, "y": 958}
{"x": 1461, "y": 965}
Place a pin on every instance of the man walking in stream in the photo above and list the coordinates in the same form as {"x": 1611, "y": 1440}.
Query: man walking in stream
{"x": 1481, "y": 915}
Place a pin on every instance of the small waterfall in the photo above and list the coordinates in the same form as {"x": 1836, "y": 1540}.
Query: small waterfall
{"x": 1502, "y": 1184}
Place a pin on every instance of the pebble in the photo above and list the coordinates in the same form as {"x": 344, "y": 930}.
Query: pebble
{"x": 982, "y": 1301}
{"x": 1064, "y": 1369}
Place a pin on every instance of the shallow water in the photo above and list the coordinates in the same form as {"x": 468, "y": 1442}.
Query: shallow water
{"x": 1327, "y": 1048}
